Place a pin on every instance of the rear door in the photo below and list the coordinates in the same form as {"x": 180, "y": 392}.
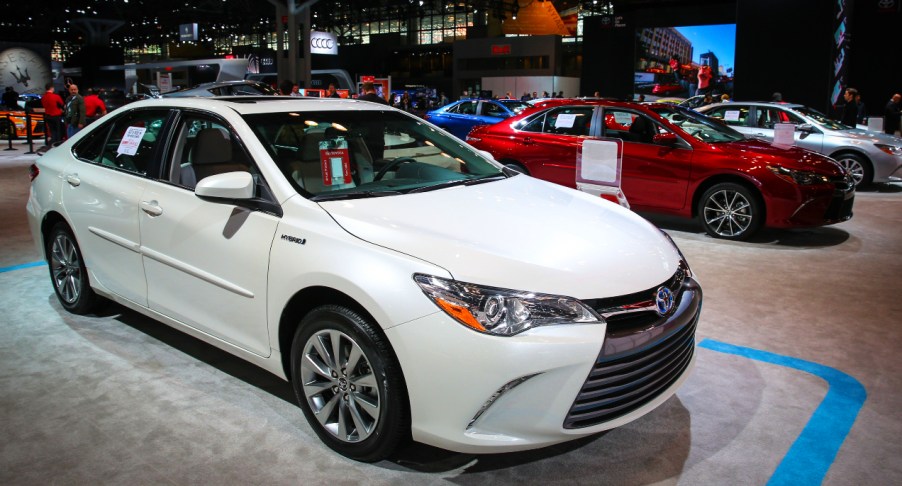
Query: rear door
{"x": 548, "y": 144}
{"x": 102, "y": 192}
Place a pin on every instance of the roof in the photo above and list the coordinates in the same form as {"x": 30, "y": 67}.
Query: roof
{"x": 249, "y": 105}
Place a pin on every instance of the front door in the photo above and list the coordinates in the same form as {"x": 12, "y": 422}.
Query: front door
{"x": 207, "y": 262}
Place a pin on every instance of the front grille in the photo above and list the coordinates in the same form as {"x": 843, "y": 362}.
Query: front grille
{"x": 626, "y": 313}
{"x": 619, "y": 385}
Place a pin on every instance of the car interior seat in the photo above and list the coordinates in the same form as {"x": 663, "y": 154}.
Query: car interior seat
{"x": 211, "y": 154}
{"x": 643, "y": 129}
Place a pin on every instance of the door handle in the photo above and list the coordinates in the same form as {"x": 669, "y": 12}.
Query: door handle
{"x": 151, "y": 207}
{"x": 527, "y": 141}
{"x": 73, "y": 180}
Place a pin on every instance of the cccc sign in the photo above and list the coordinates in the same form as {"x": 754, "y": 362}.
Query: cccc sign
{"x": 323, "y": 43}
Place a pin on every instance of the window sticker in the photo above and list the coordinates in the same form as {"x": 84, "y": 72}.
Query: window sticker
{"x": 565, "y": 120}
{"x": 335, "y": 161}
{"x": 731, "y": 115}
{"x": 131, "y": 140}
{"x": 623, "y": 118}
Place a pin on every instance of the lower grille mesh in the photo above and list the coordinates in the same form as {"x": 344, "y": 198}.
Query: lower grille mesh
{"x": 617, "y": 386}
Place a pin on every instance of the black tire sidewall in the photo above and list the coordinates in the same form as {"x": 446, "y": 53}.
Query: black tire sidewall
{"x": 87, "y": 299}
{"x": 756, "y": 207}
{"x": 393, "y": 422}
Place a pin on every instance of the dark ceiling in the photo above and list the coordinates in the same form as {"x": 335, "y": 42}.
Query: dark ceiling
{"x": 154, "y": 21}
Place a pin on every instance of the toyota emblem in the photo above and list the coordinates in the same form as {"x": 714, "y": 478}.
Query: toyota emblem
{"x": 663, "y": 301}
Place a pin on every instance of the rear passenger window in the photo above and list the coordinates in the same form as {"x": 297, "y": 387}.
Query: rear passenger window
{"x": 734, "y": 116}
{"x": 133, "y": 141}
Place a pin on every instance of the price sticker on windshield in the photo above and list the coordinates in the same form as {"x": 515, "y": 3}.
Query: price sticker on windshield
{"x": 131, "y": 140}
{"x": 335, "y": 161}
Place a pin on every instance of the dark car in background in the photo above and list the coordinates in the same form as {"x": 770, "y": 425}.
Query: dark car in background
{"x": 241, "y": 87}
{"x": 678, "y": 162}
{"x": 461, "y": 116}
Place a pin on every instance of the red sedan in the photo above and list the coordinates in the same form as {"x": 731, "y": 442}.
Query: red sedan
{"x": 676, "y": 161}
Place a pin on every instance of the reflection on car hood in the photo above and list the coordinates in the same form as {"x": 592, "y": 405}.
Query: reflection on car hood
{"x": 518, "y": 230}
{"x": 870, "y": 136}
{"x": 755, "y": 150}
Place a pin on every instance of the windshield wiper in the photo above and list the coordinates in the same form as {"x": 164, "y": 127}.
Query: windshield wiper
{"x": 459, "y": 182}
{"x": 352, "y": 195}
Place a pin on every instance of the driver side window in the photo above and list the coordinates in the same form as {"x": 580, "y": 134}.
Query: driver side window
{"x": 205, "y": 147}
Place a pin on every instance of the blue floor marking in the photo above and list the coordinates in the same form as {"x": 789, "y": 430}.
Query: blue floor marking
{"x": 24, "y": 265}
{"x": 814, "y": 450}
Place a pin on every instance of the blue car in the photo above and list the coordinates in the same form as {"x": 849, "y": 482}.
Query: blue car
{"x": 461, "y": 116}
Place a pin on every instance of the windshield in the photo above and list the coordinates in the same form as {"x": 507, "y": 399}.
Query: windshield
{"x": 697, "y": 125}
{"x": 349, "y": 154}
{"x": 515, "y": 106}
{"x": 821, "y": 119}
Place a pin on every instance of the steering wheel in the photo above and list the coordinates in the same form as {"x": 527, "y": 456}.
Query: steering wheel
{"x": 391, "y": 165}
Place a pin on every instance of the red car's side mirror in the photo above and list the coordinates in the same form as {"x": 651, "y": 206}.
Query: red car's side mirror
{"x": 666, "y": 139}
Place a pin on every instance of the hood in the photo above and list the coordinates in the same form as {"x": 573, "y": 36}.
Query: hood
{"x": 518, "y": 233}
{"x": 757, "y": 150}
{"x": 870, "y": 136}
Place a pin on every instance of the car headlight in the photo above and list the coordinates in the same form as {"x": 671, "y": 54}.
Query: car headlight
{"x": 502, "y": 312}
{"x": 890, "y": 149}
{"x": 801, "y": 177}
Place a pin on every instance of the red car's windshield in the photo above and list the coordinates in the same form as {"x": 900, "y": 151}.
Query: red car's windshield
{"x": 697, "y": 125}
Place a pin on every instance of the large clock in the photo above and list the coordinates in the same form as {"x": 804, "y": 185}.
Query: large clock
{"x": 24, "y": 70}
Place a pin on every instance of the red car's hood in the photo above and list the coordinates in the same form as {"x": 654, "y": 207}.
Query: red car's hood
{"x": 754, "y": 150}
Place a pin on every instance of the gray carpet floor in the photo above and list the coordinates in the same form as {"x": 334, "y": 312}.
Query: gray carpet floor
{"x": 117, "y": 398}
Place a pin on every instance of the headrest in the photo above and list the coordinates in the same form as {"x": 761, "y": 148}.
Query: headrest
{"x": 211, "y": 147}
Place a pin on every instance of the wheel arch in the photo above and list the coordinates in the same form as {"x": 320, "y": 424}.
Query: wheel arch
{"x": 510, "y": 161}
{"x": 721, "y": 178}
{"x": 304, "y": 301}
{"x": 50, "y": 220}
{"x": 869, "y": 169}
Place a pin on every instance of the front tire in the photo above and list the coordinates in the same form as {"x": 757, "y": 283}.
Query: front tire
{"x": 730, "y": 211}
{"x": 861, "y": 171}
{"x": 68, "y": 273}
{"x": 349, "y": 384}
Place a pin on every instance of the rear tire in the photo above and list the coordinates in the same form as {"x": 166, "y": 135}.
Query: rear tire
{"x": 730, "y": 211}
{"x": 68, "y": 273}
{"x": 349, "y": 384}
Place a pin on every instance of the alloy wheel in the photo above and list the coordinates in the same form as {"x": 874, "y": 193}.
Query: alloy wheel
{"x": 854, "y": 167}
{"x": 339, "y": 385}
{"x": 728, "y": 213}
{"x": 65, "y": 267}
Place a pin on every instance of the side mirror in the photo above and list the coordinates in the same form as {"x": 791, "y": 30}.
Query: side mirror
{"x": 805, "y": 127}
{"x": 486, "y": 154}
{"x": 665, "y": 139}
{"x": 228, "y": 186}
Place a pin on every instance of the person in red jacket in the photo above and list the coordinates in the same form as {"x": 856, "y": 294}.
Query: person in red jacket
{"x": 94, "y": 106}
{"x": 53, "y": 114}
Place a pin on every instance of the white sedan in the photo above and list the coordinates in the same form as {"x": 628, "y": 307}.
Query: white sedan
{"x": 406, "y": 285}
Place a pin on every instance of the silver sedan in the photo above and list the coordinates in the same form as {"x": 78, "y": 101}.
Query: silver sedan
{"x": 869, "y": 156}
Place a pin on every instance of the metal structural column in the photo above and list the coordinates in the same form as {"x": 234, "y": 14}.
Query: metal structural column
{"x": 296, "y": 12}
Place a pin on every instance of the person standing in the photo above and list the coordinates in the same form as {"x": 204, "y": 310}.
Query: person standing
{"x": 331, "y": 93}
{"x": 75, "y": 111}
{"x": 11, "y": 98}
{"x": 862, "y": 117}
{"x": 849, "y": 114}
{"x": 891, "y": 113}
{"x": 94, "y": 106}
{"x": 704, "y": 80}
{"x": 285, "y": 87}
{"x": 53, "y": 114}
{"x": 369, "y": 94}
{"x": 675, "y": 68}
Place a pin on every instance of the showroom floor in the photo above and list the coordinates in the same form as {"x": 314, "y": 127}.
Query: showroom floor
{"x": 797, "y": 381}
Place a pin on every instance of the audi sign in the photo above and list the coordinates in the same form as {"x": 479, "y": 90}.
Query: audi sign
{"x": 323, "y": 43}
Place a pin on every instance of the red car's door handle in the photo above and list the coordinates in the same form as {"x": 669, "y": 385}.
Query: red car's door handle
{"x": 527, "y": 141}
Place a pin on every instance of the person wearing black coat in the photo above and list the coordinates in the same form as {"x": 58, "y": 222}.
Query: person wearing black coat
{"x": 891, "y": 114}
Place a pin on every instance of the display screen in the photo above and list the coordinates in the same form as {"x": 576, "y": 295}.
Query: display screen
{"x": 669, "y": 60}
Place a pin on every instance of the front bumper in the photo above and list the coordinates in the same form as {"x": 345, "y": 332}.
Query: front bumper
{"x": 815, "y": 205}
{"x": 473, "y": 393}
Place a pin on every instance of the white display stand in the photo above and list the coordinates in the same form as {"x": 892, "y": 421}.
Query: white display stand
{"x": 784, "y": 134}
{"x": 599, "y": 165}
